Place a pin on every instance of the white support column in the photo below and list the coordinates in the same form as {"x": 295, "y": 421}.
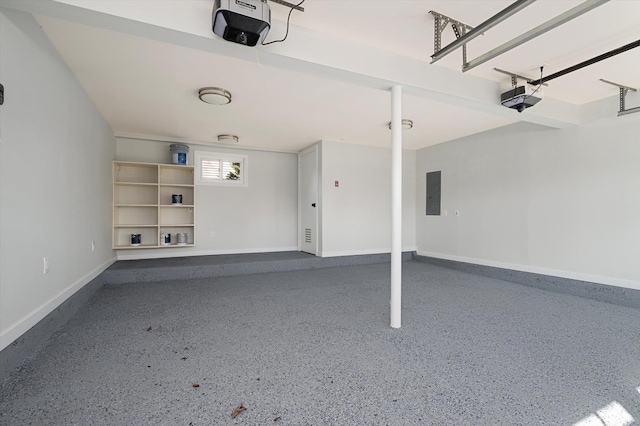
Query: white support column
{"x": 396, "y": 206}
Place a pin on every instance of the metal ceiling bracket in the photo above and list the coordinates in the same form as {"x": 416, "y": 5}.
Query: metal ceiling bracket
{"x": 440, "y": 23}
{"x": 535, "y": 32}
{"x": 462, "y": 40}
{"x": 291, "y": 5}
{"x": 516, "y": 76}
{"x": 623, "y": 92}
{"x": 460, "y": 32}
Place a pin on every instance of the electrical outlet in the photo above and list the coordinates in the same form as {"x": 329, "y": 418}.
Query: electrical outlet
{"x": 446, "y": 213}
{"x": 457, "y": 213}
{"x": 45, "y": 265}
{"x": 212, "y": 234}
{"x": 93, "y": 246}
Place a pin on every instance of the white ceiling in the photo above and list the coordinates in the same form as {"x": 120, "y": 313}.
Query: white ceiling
{"x": 330, "y": 78}
{"x": 408, "y": 30}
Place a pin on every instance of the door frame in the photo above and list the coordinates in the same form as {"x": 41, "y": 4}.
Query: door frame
{"x": 318, "y": 216}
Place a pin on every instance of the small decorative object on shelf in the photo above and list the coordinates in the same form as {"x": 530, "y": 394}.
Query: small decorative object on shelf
{"x": 179, "y": 153}
{"x": 150, "y": 202}
{"x": 136, "y": 239}
{"x": 182, "y": 238}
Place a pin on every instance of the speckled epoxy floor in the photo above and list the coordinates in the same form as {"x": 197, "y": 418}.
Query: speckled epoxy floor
{"x": 314, "y": 347}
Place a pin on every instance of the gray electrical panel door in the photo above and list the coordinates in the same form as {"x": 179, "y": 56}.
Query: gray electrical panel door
{"x": 433, "y": 193}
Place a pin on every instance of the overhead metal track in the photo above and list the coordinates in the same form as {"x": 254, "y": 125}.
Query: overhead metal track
{"x": 480, "y": 29}
{"x": 588, "y": 62}
{"x": 629, "y": 111}
{"x": 291, "y": 5}
{"x": 535, "y": 32}
{"x": 623, "y": 93}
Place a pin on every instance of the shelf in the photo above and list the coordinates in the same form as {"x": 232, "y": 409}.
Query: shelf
{"x": 142, "y": 203}
{"x": 135, "y": 184}
{"x": 175, "y": 216}
{"x": 136, "y": 247}
{"x": 166, "y": 192}
{"x": 122, "y": 236}
{"x": 145, "y": 194}
{"x": 135, "y": 216}
{"x": 179, "y": 228}
{"x": 129, "y": 172}
{"x": 174, "y": 174}
{"x": 176, "y": 166}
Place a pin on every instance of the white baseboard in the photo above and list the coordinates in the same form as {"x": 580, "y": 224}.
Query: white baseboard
{"x": 618, "y": 282}
{"x": 160, "y": 254}
{"x": 23, "y": 325}
{"x": 338, "y": 253}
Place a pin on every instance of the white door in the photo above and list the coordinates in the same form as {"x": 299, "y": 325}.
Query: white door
{"x": 308, "y": 196}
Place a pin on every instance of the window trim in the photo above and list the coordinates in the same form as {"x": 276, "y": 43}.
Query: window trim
{"x": 221, "y": 156}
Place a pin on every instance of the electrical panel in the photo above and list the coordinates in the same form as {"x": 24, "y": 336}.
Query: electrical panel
{"x": 433, "y": 193}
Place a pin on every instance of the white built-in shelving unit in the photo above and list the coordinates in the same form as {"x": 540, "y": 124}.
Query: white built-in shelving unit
{"x": 142, "y": 204}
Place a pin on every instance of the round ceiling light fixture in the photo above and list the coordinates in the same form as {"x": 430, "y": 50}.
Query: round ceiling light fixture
{"x": 228, "y": 139}
{"x": 406, "y": 124}
{"x": 214, "y": 96}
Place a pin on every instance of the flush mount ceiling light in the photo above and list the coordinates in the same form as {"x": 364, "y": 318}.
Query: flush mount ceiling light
{"x": 228, "y": 139}
{"x": 214, "y": 96}
{"x": 406, "y": 124}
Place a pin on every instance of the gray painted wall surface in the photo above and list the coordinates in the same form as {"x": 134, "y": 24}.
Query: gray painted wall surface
{"x": 356, "y": 215}
{"x": 561, "y": 202}
{"x": 55, "y": 171}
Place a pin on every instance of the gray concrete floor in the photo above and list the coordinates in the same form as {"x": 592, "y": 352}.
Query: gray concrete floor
{"x": 314, "y": 347}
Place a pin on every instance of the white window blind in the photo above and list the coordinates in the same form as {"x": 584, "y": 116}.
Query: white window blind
{"x": 210, "y": 169}
{"x": 214, "y": 168}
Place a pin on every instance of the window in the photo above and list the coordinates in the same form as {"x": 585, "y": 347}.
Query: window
{"x": 215, "y": 168}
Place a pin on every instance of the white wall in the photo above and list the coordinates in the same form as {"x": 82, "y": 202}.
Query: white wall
{"x": 558, "y": 202}
{"x": 356, "y": 216}
{"x": 260, "y": 217}
{"x": 55, "y": 167}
